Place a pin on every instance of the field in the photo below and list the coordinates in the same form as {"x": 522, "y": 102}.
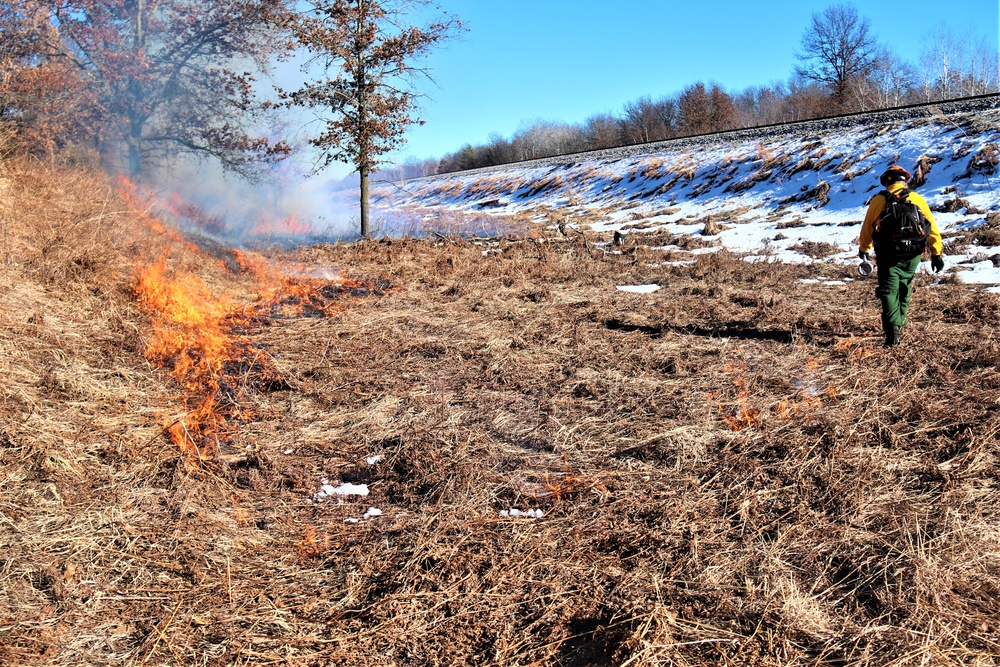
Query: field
{"x": 729, "y": 471}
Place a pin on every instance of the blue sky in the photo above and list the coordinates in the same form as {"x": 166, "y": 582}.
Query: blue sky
{"x": 522, "y": 60}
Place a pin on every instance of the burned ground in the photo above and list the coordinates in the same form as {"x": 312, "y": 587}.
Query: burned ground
{"x": 730, "y": 470}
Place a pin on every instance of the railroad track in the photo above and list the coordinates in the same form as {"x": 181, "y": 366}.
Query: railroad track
{"x": 963, "y": 105}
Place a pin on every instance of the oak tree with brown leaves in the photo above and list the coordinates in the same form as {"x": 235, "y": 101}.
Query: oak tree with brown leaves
{"x": 370, "y": 58}
{"x": 166, "y": 76}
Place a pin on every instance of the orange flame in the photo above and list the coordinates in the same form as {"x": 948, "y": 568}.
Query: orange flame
{"x": 176, "y": 205}
{"x": 856, "y": 351}
{"x": 192, "y": 334}
{"x": 195, "y": 333}
{"x": 290, "y": 225}
{"x": 748, "y": 416}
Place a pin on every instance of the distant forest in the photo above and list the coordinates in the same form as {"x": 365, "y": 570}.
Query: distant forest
{"x": 841, "y": 68}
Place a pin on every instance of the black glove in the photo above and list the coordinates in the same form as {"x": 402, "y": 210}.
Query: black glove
{"x": 937, "y": 263}
{"x": 863, "y": 255}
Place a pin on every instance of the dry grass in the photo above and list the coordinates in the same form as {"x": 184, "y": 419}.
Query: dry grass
{"x": 852, "y": 518}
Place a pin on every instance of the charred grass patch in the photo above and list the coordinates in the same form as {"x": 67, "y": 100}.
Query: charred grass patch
{"x": 730, "y": 471}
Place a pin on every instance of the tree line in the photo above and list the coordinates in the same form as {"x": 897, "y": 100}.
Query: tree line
{"x": 841, "y": 68}
{"x": 141, "y": 82}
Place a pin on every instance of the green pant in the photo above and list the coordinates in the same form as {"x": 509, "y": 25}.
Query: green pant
{"x": 895, "y": 286}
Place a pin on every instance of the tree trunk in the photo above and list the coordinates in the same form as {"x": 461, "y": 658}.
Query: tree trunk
{"x": 364, "y": 150}
{"x": 134, "y": 160}
{"x": 365, "y": 228}
{"x": 134, "y": 140}
{"x": 134, "y": 143}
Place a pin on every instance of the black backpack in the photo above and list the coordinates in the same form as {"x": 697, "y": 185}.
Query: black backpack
{"x": 902, "y": 227}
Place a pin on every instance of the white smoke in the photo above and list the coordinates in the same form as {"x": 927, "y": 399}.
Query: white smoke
{"x": 284, "y": 205}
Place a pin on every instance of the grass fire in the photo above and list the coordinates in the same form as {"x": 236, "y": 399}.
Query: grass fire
{"x": 710, "y": 380}
{"x": 478, "y": 451}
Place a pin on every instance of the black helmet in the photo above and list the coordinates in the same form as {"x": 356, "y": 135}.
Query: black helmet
{"x": 893, "y": 174}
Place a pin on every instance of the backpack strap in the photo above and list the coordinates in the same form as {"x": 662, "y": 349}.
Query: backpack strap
{"x": 889, "y": 197}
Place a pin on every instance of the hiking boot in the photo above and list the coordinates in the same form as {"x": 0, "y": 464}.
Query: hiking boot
{"x": 892, "y": 334}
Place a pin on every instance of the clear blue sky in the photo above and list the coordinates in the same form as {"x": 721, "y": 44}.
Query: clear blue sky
{"x": 565, "y": 61}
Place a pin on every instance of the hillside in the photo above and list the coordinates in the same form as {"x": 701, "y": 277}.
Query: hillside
{"x": 793, "y": 193}
{"x": 451, "y": 451}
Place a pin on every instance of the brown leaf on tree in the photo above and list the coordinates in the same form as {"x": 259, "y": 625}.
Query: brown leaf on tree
{"x": 370, "y": 60}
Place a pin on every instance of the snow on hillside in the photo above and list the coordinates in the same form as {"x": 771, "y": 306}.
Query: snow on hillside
{"x": 773, "y": 198}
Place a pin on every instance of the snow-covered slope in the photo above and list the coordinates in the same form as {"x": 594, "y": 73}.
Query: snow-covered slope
{"x": 795, "y": 194}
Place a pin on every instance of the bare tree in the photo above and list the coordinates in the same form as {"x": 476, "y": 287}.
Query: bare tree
{"x": 763, "y": 105}
{"x": 602, "y": 131}
{"x": 890, "y": 83}
{"x": 957, "y": 65}
{"x": 837, "y": 47}
{"x": 369, "y": 58}
{"x": 543, "y": 138}
{"x": 647, "y": 120}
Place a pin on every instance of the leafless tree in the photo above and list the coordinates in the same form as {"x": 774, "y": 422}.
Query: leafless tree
{"x": 837, "y": 47}
{"x": 890, "y": 83}
{"x": 647, "y": 120}
{"x": 546, "y": 138}
{"x": 957, "y": 64}
{"x": 602, "y": 131}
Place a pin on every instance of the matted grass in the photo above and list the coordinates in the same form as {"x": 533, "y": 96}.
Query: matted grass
{"x": 730, "y": 470}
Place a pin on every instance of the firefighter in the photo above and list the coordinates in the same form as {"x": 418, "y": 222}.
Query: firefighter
{"x": 897, "y": 259}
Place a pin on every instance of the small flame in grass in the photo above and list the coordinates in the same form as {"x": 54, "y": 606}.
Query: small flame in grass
{"x": 558, "y": 485}
{"x": 747, "y": 416}
{"x": 855, "y": 350}
{"x": 797, "y": 408}
{"x": 130, "y": 194}
{"x": 179, "y": 207}
{"x": 311, "y": 544}
{"x": 808, "y": 398}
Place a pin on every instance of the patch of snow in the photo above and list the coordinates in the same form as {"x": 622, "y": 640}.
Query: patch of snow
{"x": 326, "y": 490}
{"x": 372, "y": 460}
{"x": 371, "y": 513}
{"x": 530, "y": 514}
{"x": 780, "y": 203}
{"x": 351, "y": 490}
{"x": 638, "y": 289}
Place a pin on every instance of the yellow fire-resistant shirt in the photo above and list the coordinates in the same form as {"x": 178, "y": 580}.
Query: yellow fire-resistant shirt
{"x": 875, "y": 210}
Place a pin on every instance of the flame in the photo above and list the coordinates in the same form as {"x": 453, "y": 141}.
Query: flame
{"x": 195, "y": 333}
{"x": 192, "y": 334}
{"x": 856, "y": 351}
{"x": 177, "y": 206}
{"x": 798, "y": 408}
{"x": 141, "y": 207}
{"x": 748, "y": 416}
{"x": 289, "y": 225}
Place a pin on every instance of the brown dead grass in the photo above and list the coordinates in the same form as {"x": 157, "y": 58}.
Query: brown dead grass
{"x": 852, "y": 519}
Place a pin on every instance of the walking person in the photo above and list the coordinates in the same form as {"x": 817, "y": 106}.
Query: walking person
{"x": 900, "y": 225}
